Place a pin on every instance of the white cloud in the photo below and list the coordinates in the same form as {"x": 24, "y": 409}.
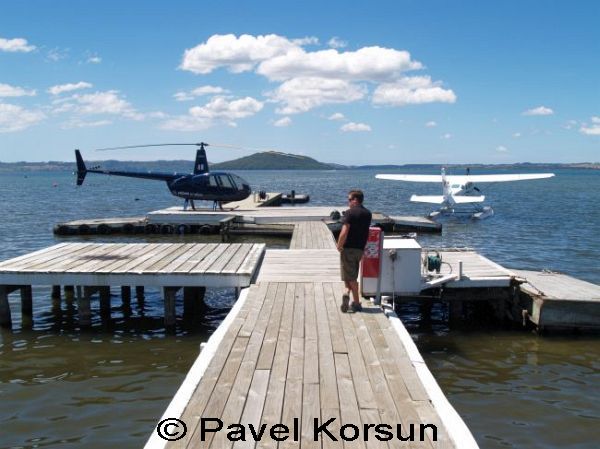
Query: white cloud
{"x": 56, "y": 54}
{"x": 237, "y": 54}
{"x": 412, "y": 90}
{"x": 98, "y": 103}
{"x": 355, "y": 127}
{"x": 336, "y": 42}
{"x": 15, "y": 118}
{"x": 222, "y": 108}
{"x": 336, "y": 116}
{"x": 309, "y": 40}
{"x": 94, "y": 60}
{"x": 501, "y": 149}
{"x": 283, "y": 122}
{"x": 431, "y": 124}
{"x": 367, "y": 63}
{"x": 69, "y": 87}
{"x": 540, "y": 110}
{"x": 303, "y": 94}
{"x": 311, "y": 79}
{"x": 593, "y": 129}
{"x": 217, "y": 110}
{"x": 108, "y": 102}
{"x": 516, "y": 135}
{"x": 446, "y": 136}
{"x": 78, "y": 123}
{"x": 6, "y": 90}
{"x": 15, "y": 45}
{"x": 199, "y": 91}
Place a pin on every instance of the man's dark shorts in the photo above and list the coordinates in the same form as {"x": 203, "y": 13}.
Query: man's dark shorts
{"x": 350, "y": 261}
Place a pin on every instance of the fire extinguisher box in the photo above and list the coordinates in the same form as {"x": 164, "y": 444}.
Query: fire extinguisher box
{"x": 401, "y": 267}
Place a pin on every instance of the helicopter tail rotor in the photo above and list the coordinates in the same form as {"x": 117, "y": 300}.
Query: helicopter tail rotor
{"x": 81, "y": 169}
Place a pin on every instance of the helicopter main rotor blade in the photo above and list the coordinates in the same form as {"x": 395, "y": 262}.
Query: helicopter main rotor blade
{"x": 151, "y": 145}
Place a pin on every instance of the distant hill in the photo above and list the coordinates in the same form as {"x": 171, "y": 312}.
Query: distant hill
{"x": 274, "y": 160}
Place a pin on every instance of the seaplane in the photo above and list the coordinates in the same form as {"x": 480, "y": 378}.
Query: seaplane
{"x": 458, "y": 190}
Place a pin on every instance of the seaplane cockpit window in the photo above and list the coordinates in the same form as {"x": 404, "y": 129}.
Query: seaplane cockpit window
{"x": 456, "y": 186}
{"x": 225, "y": 182}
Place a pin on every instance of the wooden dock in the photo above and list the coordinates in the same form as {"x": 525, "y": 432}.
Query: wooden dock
{"x": 560, "y": 301}
{"x": 97, "y": 266}
{"x": 287, "y": 355}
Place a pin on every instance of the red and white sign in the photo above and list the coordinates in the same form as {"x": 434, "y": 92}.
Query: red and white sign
{"x": 371, "y": 262}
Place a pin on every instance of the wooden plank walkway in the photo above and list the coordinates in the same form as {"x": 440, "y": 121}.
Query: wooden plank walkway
{"x": 478, "y": 270}
{"x": 148, "y": 264}
{"x": 312, "y": 235}
{"x": 290, "y": 353}
{"x": 287, "y": 355}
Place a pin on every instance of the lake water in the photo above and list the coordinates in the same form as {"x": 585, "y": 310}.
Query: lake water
{"x": 60, "y": 387}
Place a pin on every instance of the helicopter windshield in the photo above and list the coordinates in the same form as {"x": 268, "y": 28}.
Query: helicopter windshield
{"x": 239, "y": 182}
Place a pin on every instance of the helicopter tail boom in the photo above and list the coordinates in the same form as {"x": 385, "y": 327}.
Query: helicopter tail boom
{"x": 81, "y": 169}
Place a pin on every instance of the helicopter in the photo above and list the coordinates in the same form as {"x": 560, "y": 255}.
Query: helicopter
{"x": 202, "y": 184}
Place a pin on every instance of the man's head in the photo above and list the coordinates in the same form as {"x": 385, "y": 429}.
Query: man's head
{"x": 355, "y": 197}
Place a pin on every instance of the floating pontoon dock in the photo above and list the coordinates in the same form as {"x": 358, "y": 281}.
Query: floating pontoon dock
{"x": 250, "y": 215}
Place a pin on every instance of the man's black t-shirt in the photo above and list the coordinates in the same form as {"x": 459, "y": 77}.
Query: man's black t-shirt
{"x": 359, "y": 219}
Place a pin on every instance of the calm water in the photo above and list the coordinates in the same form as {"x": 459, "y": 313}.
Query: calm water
{"x": 60, "y": 387}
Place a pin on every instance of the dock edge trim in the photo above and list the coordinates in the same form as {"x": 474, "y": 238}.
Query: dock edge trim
{"x": 194, "y": 376}
{"x": 456, "y": 428}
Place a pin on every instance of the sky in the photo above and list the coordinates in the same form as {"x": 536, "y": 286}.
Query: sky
{"x": 342, "y": 81}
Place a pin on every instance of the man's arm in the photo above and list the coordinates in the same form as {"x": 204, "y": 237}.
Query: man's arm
{"x": 343, "y": 236}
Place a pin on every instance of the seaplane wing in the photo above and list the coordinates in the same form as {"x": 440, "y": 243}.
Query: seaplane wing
{"x": 459, "y": 179}
{"x": 411, "y": 178}
{"x": 433, "y": 199}
{"x": 454, "y": 179}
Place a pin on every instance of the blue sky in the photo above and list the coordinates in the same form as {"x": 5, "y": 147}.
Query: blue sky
{"x": 348, "y": 82}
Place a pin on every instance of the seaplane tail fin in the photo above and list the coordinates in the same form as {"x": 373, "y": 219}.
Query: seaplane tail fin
{"x": 432, "y": 199}
{"x": 468, "y": 199}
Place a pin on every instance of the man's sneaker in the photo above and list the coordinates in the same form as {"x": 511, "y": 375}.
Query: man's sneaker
{"x": 345, "y": 302}
{"x": 356, "y": 307}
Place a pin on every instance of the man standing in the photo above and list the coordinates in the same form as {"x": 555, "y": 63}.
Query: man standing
{"x": 351, "y": 245}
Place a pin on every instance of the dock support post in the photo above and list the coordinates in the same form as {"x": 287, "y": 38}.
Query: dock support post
{"x": 193, "y": 301}
{"x": 104, "y": 302}
{"x": 169, "y": 295}
{"x": 126, "y": 296}
{"x": 139, "y": 296}
{"x": 69, "y": 293}
{"x": 5, "y": 317}
{"x": 26, "y": 307}
{"x": 56, "y": 292}
{"x": 126, "y": 300}
{"x": 83, "y": 306}
{"x": 455, "y": 311}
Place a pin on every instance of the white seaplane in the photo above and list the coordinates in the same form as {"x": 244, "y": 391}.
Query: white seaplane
{"x": 460, "y": 189}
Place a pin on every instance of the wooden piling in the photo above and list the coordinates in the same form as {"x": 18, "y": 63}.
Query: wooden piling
{"x": 26, "y": 306}
{"x": 84, "y": 307}
{"x": 69, "y": 291}
{"x": 5, "y": 316}
{"x": 126, "y": 296}
{"x": 55, "y": 292}
{"x": 169, "y": 294}
{"x": 193, "y": 301}
{"x": 104, "y": 302}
